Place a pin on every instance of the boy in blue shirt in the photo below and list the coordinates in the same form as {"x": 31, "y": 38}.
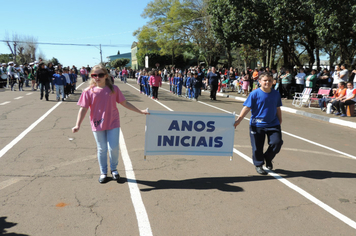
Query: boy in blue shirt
{"x": 59, "y": 81}
{"x": 266, "y": 119}
{"x": 179, "y": 84}
{"x": 175, "y": 79}
{"x": 188, "y": 86}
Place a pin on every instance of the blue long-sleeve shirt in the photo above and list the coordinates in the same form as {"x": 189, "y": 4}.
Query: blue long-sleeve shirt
{"x": 188, "y": 82}
{"x": 59, "y": 79}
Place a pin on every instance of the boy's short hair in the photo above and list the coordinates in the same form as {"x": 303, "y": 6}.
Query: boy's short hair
{"x": 265, "y": 74}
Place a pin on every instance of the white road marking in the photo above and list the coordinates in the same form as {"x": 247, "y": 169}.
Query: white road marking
{"x": 9, "y": 182}
{"x": 305, "y": 194}
{"x": 18, "y": 97}
{"x": 302, "y": 192}
{"x": 3, "y": 151}
{"x": 28, "y": 94}
{"x": 320, "y": 145}
{"x": 323, "y": 154}
{"x": 292, "y": 135}
{"x": 4, "y": 103}
{"x": 144, "y": 225}
{"x": 23, "y": 134}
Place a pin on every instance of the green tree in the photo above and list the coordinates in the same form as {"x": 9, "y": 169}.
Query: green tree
{"x": 54, "y": 61}
{"x": 5, "y": 58}
{"x": 118, "y": 63}
{"x": 168, "y": 18}
{"x": 266, "y": 25}
{"x": 335, "y": 24}
{"x": 237, "y": 23}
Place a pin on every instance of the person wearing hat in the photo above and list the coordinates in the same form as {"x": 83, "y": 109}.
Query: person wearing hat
{"x": 10, "y": 73}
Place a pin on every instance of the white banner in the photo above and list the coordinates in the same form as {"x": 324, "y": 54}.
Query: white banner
{"x": 188, "y": 133}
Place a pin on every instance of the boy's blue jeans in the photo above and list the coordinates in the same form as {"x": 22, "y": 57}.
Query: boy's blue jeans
{"x": 59, "y": 88}
{"x": 257, "y": 137}
{"x": 107, "y": 140}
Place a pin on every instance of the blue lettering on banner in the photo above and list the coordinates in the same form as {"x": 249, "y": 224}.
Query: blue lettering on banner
{"x": 174, "y": 125}
{"x": 189, "y": 141}
{"x": 211, "y": 126}
{"x": 218, "y": 142}
{"x": 198, "y": 126}
{"x": 186, "y": 125}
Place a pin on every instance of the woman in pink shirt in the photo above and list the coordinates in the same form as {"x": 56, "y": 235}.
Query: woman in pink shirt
{"x": 84, "y": 74}
{"x": 124, "y": 74}
{"x": 101, "y": 97}
{"x": 155, "y": 82}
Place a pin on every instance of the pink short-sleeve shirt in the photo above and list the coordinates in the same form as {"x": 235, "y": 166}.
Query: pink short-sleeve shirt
{"x": 104, "y": 114}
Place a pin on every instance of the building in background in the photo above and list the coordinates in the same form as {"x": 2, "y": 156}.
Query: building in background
{"x": 134, "y": 62}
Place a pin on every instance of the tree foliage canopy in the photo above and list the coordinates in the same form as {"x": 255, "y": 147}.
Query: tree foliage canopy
{"x": 288, "y": 24}
{"x": 118, "y": 63}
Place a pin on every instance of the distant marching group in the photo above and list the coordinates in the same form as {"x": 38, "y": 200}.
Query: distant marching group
{"x": 150, "y": 82}
{"x": 43, "y": 77}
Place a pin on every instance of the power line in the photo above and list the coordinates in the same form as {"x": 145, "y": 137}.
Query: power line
{"x": 70, "y": 44}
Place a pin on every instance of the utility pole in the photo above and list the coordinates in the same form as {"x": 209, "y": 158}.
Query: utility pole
{"x": 15, "y": 44}
{"x": 101, "y": 55}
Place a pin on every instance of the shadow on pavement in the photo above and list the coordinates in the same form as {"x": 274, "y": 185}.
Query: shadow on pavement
{"x": 5, "y": 225}
{"x": 219, "y": 183}
{"x": 314, "y": 174}
{"x": 224, "y": 183}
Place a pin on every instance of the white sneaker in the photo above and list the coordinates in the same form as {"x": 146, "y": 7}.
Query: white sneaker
{"x": 115, "y": 175}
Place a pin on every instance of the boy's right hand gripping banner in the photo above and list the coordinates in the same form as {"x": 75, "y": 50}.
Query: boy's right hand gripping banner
{"x": 189, "y": 133}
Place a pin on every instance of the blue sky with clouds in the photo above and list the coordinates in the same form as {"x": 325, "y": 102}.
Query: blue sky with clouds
{"x": 108, "y": 22}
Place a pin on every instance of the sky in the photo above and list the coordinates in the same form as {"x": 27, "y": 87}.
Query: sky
{"x": 106, "y": 22}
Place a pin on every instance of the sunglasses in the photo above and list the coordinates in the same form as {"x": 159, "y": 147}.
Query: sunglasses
{"x": 101, "y": 75}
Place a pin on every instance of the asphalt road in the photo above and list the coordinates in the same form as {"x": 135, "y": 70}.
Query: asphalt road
{"x": 49, "y": 176}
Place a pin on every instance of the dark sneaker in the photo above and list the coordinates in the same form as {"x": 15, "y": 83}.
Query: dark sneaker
{"x": 337, "y": 114}
{"x": 269, "y": 165}
{"x": 343, "y": 115}
{"x": 260, "y": 170}
{"x": 102, "y": 179}
{"x": 115, "y": 175}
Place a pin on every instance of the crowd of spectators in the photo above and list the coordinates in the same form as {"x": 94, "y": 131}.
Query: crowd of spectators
{"x": 286, "y": 81}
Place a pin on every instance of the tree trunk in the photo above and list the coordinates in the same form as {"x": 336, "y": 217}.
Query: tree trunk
{"x": 172, "y": 56}
{"x": 285, "y": 56}
{"x": 268, "y": 57}
{"x": 272, "y": 57}
{"x": 229, "y": 58}
{"x": 317, "y": 57}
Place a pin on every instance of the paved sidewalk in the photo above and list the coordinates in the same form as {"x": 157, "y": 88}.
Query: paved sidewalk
{"x": 314, "y": 112}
